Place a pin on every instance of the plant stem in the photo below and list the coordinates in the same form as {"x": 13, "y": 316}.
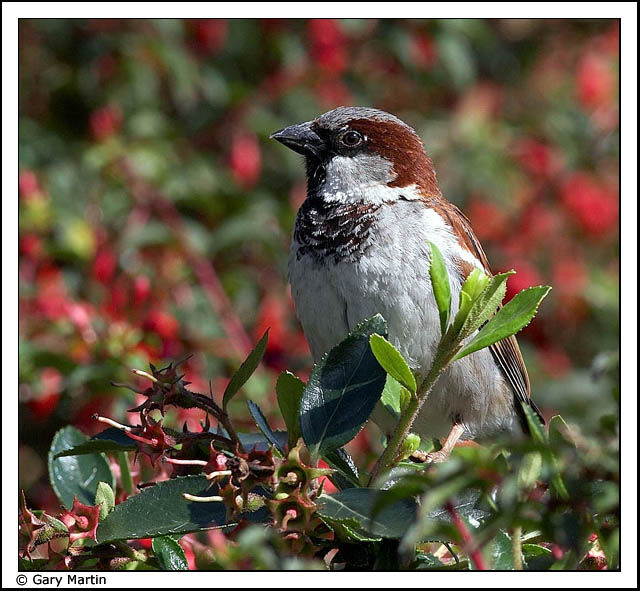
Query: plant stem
{"x": 468, "y": 542}
{"x": 125, "y": 472}
{"x": 409, "y": 415}
{"x": 516, "y": 544}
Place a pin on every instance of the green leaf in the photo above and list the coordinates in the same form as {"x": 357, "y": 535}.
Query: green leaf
{"x": 428, "y": 562}
{"x": 125, "y": 472}
{"x": 393, "y": 362}
{"x": 508, "y": 321}
{"x": 441, "y": 286}
{"x": 559, "y": 433}
{"x": 76, "y": 475}
{"x": 110, "y": 440}
{"x": 26, "y": 564}
{"x": 106, "y": 498}
{"x": 485, "y": 303}
{"x": 391, "y": 397}
{"x": 343, "y": 390}
{"x": 169, "y": 553}
{"x": 537, "y": 557}
{"x": 354, "y": 506}
{"x": 161, "y": 510}
{"x": 263, "y": 425}
{"x": 464, "y": 307}
{"x": 535, "y": 426}
{"x": 289, "y": 390}
{"x": 246, "y": 370}
{"x": 501, "y": 550}
{"x": 340, "y": 460}
{"x": 530, "y": 470}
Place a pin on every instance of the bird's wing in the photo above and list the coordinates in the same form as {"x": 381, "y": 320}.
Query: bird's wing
{"x": 506, "y": 353}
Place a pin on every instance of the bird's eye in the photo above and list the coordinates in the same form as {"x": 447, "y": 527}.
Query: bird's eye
{"x": 351, "y": 139}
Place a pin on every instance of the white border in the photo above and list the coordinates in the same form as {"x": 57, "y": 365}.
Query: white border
{"x": 11, "y": 11}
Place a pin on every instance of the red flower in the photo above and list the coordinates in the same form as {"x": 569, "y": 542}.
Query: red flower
{"x": 105, "y": 122}
{"x": 162, "y": 323}
{"x": 537, "y": 158}
{"x": 327, "y": 45}
{"x": 82, "y": 521}
{"x": 489, "y": 221}
{"x": 210, "y": 34}
{"x": 141, "y": 289}
{"x": 30, "y": 246}
{"x": 28, "y": 183}
{"x": 424, "y": 53}
{"x": 569, "y": 275}
{"x": 50, "y": 386}
{"x": 245, "y": 160}
{"x": 596, "y": 81}
{"x": 554, "y": 361}
{"x": 594, "y": 207}
{"x": 104, "y": 265}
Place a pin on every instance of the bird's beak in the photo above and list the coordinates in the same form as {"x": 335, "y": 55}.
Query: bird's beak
{"x": 300, "y": 138}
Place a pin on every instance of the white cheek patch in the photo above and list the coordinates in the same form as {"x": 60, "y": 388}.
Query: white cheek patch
{"x": 365, "y": 178}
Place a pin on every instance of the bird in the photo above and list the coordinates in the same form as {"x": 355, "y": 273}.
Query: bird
{"x": 360, "y": 247}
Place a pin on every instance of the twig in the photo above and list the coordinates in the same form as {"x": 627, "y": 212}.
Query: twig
{"x": 468, "y": 543}
{"x": 516, "y": 545}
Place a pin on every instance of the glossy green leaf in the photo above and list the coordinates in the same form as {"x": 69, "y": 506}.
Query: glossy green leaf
{"x": 486, "y": 303}
{"x": 263, "y": 425}
{"x": 161, "y": 510}
{"x": 537, "y": 557}
{"x": 110, "y": 440}
{"x": 106, "y": 498}
{"x": 392, "y": 361}
{"x": 535, "y": 426}
{"x": 530, "y": 470}
{"x": 343, "y": 390}
{"x": 464, "y": 306}
{"x": 340, "y": 460}
{"x": 441, "y": 286}
{"x": 245, "y": 371}
{"x": 169, "y": 553}
{"x": 391, "y": 397}
{"x": 559, "y": 433}
{"x": 508, "y": 321}
{"x": 354, "y": 508}
{"x": 76, "y": 475}
{"x": 289, "y": 390}
{"x": 501, "y": 550}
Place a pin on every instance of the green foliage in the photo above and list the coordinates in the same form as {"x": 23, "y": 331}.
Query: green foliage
{"x": 508, "y": 321}
{"x": 76, "y": 476}
{"x": 110, "y": 440}
{"x": 106, "y": 498}
{"x": 263, "y": 425}
{"x": 172, "y": 514}
{"x": 289, "y": 389}
{"x": 352, "y": 508}
{"x": 169, "y": 553}
{"x": 392, "y": 362}
{"x": 245, "y": 371}
{"x": 153, "y": 214}
{"x": 440, "y": 286}
{"x": 342, "y": 391}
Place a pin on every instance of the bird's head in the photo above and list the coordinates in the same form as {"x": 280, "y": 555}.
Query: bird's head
{"x": 358, "y": 153}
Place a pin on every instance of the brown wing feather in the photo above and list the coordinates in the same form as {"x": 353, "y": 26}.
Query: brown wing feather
{"x": 506, "y": 353}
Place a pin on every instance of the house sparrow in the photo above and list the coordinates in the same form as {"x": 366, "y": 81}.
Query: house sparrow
{"x": 360, "y": 247}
